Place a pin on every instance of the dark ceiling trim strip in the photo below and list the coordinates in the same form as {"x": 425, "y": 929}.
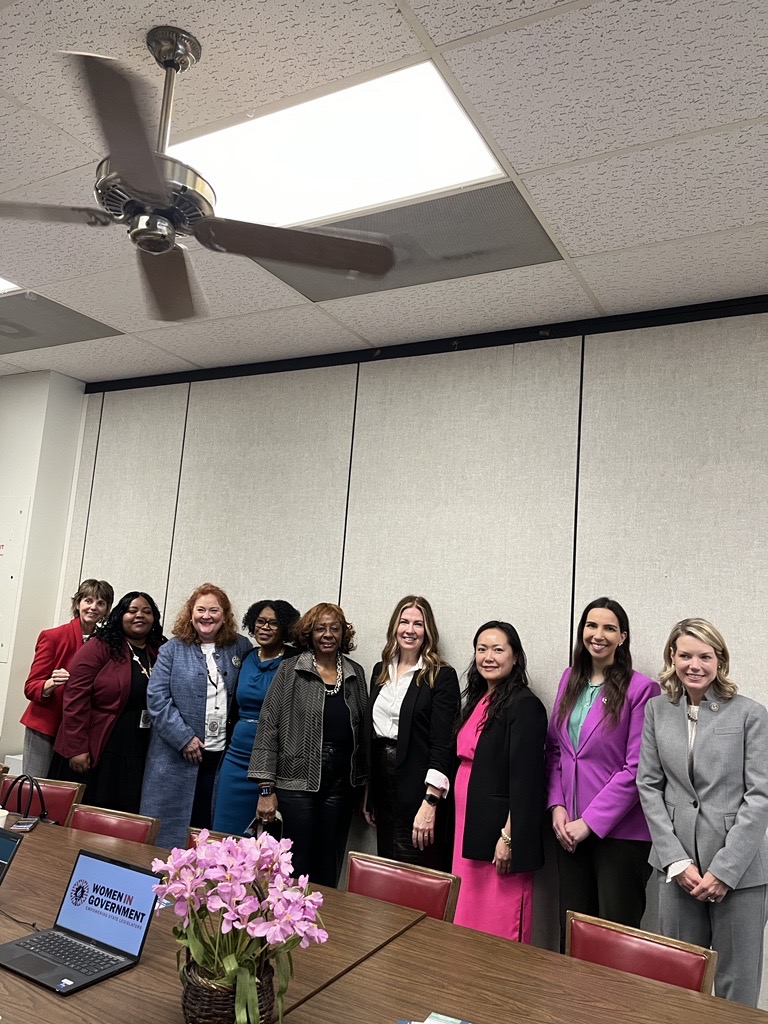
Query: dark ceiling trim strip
{"x": 465, "y": 343}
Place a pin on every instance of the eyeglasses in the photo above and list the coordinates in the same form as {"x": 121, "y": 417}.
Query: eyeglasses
{"x": 267, "y": 624}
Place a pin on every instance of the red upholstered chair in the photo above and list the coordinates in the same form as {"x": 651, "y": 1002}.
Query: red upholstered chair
{"x": 121, "y": 824}
{"x": 59, "y": 797}
{"x": 637, "y": 952}
{"x": 409, "y": 885}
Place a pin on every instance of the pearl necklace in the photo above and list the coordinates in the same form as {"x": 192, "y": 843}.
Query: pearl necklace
{"x": 330, "y": 691}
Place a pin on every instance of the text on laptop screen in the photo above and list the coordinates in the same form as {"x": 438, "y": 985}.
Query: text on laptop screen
{"x": 108, "y": 903}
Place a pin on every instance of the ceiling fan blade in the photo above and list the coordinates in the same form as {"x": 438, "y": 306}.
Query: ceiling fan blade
{"x": 333, "y": 249}
{"x": 114, "y": 95}
{"x": 56, "y": 214}
{"x": 170, "y": 285}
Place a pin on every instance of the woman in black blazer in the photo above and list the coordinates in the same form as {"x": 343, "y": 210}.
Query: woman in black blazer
{"x": 409, "y": 735}
{"x": 499, "y": 788}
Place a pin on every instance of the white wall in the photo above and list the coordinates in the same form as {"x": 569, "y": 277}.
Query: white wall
{"x": 40, "y": 427}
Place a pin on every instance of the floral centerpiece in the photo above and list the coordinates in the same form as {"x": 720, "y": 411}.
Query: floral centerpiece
{"x": 240, "y": 912}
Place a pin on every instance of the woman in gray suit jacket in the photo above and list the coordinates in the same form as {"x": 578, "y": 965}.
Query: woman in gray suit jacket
{"x": 703, "y": 782}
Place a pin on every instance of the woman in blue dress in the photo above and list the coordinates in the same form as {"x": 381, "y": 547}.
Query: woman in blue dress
{"x": 269, "y": 623}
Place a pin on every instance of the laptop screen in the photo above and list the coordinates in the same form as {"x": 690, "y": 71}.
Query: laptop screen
{"x": 9, "y": 844}
{"x": 109, "y": 902}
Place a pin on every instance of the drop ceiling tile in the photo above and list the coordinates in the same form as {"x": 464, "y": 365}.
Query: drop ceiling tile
{"x": 545, "y": 294}
{"x": 8, "y": 368}
{"x": 708, "y": 269}
{"x": 230, "y": 285}
{"x": 257, "y": 337}
{"x": 446, "y": 19}
{"x": 104, "y": 359}
{"x": 700, "y": 185}
{"x": 253, "y": 54}
{"x": 36, "y": 254}
{"x": 28, "y": 144}
{"x": 616, "y": 74}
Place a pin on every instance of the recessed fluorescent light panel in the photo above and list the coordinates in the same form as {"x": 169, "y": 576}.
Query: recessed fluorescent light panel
{"x": 398, "y": 137}
{"x": 7, "y": 286}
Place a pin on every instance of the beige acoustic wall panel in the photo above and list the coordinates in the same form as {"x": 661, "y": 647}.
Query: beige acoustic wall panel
{"x": 135, "y": 482}
{"x": 80, "y": 503}
{"x": 462, "y": 489}
{"x": 264, "y": 487}
{"x": 673, "y": 500}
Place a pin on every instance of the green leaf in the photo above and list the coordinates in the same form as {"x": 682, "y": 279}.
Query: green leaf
{"x": 241, "y": 998}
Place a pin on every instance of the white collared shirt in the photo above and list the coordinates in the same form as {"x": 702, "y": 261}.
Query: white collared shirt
{"x": 386, "y": 714}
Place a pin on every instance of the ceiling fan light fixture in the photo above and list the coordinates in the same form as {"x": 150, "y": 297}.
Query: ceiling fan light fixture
{"x": 152, "y": 233}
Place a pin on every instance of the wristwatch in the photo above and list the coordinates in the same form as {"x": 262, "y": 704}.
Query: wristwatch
{"x": 266, "y": 790}
{"x": 431, "y": 799}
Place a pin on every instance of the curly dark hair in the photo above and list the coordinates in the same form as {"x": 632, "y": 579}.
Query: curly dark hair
{"x": 503, "y": 693}
{"x": 111, "y": 633}
{"x": 285, "y": 614}
{"x": 302, "y": 630}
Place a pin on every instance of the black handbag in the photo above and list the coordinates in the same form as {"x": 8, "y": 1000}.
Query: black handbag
{"x": 34, "y": 787}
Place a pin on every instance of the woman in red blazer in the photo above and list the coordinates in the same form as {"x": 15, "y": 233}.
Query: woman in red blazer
{"x": 593, "y": 748}
{"x": 104, "y": 732}
{"x": 54, "y": 651}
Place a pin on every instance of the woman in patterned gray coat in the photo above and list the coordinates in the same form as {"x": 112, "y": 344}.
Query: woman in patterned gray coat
{"x": 308, "y": 756}
{"x": 188, "y": 699}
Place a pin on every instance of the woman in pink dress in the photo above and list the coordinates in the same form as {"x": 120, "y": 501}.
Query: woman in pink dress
{"x": 499, "y": 788}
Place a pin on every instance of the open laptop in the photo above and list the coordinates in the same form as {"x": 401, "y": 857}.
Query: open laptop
{"x": 99, "y": 931}
{"x": 9, "y": 844}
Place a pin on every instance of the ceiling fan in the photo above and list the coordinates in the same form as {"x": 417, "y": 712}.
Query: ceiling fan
{"x": 160, "y": 198}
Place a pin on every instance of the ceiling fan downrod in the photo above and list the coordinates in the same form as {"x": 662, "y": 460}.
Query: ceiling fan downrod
{"x": 174, "y": 50}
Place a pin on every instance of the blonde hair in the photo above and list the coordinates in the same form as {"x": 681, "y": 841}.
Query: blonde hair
{"x": 704, "y": 631}
{"x": 430, "y": 650}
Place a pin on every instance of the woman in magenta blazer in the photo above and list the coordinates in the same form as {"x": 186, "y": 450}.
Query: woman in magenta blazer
{"x": 54, "y": 650}
{"x": 593, "y": 748}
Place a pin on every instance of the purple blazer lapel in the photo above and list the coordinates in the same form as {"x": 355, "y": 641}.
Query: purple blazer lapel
{"x": 592, "y": 721}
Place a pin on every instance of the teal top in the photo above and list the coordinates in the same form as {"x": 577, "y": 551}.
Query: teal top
{"x": 584, "y": 702}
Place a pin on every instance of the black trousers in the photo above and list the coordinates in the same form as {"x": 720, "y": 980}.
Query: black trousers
{"x": 202, "y": 815}
{"x": 605, "y": 878}
{"x": 318, "y": 823}
{"x": 394, "y": 827}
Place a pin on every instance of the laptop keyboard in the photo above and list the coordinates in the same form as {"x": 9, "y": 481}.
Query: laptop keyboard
{"x": 69, "y": 952}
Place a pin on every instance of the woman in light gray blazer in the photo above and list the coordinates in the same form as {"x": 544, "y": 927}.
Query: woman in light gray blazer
{"x": 703, "y": 782}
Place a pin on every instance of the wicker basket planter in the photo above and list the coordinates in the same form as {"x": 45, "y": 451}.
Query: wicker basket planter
{"x": 204, "y": 1001}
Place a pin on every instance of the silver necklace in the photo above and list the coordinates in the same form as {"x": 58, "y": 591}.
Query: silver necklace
{"x": 330, "y": 691}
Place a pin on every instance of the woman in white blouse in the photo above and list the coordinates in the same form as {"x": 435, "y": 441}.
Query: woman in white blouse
{"x": 410, "y": 740}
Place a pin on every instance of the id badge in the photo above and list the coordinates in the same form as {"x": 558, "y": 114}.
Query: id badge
{"x": 215, "y": 727}
{"x": 145, "y": 722}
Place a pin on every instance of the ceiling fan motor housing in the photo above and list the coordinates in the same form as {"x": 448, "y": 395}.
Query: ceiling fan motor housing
{"x": 189, "y": 198}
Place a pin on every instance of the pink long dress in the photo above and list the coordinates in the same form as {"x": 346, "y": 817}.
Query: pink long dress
{"x": 489, "y": 902}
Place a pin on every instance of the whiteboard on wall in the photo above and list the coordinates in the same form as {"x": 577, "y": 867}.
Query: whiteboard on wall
{"x": 14, "y": 517}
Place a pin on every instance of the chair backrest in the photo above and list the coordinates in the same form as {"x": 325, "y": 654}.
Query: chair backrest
{"x": 193, "y": 833}
{"x": 59, "y": 797}
{"x": 409, "y": 885}
{"x": 638, "y": 952}
{"x": 122, "y": 824}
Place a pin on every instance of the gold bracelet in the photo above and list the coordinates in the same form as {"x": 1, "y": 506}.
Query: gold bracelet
{"x": 507, "y": 839}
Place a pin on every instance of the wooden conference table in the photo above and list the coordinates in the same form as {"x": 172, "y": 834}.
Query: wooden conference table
{"x": 382, "y": 963}
{"x": 151, "y": 993}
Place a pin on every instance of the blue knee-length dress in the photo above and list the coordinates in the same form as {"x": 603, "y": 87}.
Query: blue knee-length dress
{"x": 236, "y": 794}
